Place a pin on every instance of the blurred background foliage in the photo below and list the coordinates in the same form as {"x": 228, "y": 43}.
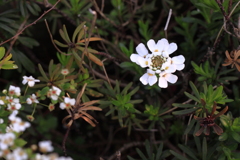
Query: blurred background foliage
{"x": 94, "y": 40}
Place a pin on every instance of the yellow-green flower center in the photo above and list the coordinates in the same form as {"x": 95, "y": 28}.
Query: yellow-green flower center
{"x": 157, "y": 62}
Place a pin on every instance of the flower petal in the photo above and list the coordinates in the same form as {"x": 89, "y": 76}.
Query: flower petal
{"x": 179, "y": 67}
{"x": 172, "y": 48}
{"x": 151, "y": 45}
{"x": 62, "y": 105}
{"x": 178, "y": 59}
{"x": 162, "y": 82}
{"x": 171, "y": 78}
{"x": 152, "y": 80}
{"x": 143, "y": 62}
{"x": 141, "y": 50}
{"x": 161, "y": 44}
{"x": 144, "y": 79}
{"x": 134, "y": 57}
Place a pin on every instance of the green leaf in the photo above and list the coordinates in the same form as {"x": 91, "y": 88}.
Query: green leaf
{"x": 2, "y": 52}
{"x": 20, "y": 142}
{"x": 223, "y": 137}
{"x": 186, "y": 111}
{"x": 192, "y": 97}
{"x": 77, "y": 31}
{"x": 178, "y": 156}
{"x": 124, "y": 91}
{"x": 194, "y": 89}
{"x": 236, "y": 124}
{"x": 188, "y": 150}
{"x": 42, "y": 72}
{"x": 227, "y": 151}
{"x": 159, "y": 151}
{"x": 22, "y": 59}
{"x": 235, "y": 136}
{"x": 133, "y": 91}
{"x": 141, "y": 154}
{"x": 189, "y": 127}
{"x": 198, "y": 144}
{"x": 183, "y": 105}
{"x": 204, "y": 149}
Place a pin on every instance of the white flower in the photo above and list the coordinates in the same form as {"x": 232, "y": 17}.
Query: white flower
{"x": 17, "y": 125}
{"x": 17, "y": 154}
{"x": 1, "y": 102}
{"x": 14, "y": 106}
{"x": 32, "y": 99}
{"x": 159, "y": 65}
{"x": 64, "y": 158}
{"x": 149, "y": 78}
{"x": 6, "y": 140}
{"x": 14, "y": 91}
{"x": 1, "y": 120}
{"x": 166, "y": 77}
{"x": 54, "y": 93}
{"x": 142, "y": 57}
{"x": 12, "y": 100}
{"x": 45, "y": 146}
{"x": 178, "y": 62}
{"x": 68, "y": 102}
{"x": 30, "y": 80}
{"x": 13, "y": 115}
{"x": 65, "y": 71}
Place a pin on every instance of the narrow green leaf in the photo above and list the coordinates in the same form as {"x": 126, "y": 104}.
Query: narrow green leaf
{"x": 60, "y": 44}
{"x": 8, "y": 29}
{"x": 42, "y": 72}
{"x": 204, "y": 149}
{"x": 133, "y": 91}
{"x": 63, "y": 35}
{"x": 141, "y": 154}
{"x": 194, "y": 89}
{"x": 124, "y": 91}
{"x": 198, "y": 144}
{"x": 30, "y": 8}
{"x": 183, "y": 105}
{"x": 188, "y": 151}
{"x": 186, "y": 111}
{"x": 178, "y": 155}
{"x": 226, "y": 71}
{"x": 148, "y": 148}
{"x": 2, "y": 52}
{"x": 192, "y": 97}
{"x": 66, "y": 34}
{"x": 77, "y": 31}
{"x": 189, "y": 127}
{"x": 159, "y": 151}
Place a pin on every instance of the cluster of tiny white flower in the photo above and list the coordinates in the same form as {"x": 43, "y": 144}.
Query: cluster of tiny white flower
{"x": 160, "y": 65}
{"x": 7, "y": 139}
{"x": 17, "y": 125}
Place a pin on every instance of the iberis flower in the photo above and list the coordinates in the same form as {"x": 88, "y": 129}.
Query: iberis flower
{"x": 159, "y": 64}
{"x": 30, "y": 80}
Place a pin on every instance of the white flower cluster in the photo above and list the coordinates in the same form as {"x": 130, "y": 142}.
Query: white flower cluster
{"x": 16, "y": 125}
{"x": 160, "y": 65}
{"x": 7, "y": 139}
